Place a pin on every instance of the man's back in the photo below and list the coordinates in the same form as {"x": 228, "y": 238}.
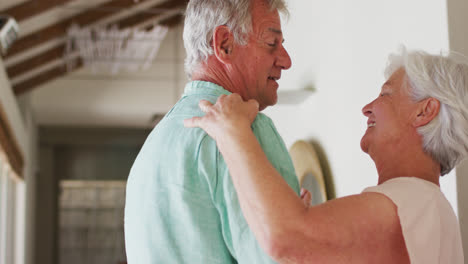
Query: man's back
{"x": 181, "y": 205}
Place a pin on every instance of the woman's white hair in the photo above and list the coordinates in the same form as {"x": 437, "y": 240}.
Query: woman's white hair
{"x": 444, "y": 78}
{"x": 203, "y": 16}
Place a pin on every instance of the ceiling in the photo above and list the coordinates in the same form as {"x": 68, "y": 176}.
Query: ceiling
{"x": 84, "y": 95}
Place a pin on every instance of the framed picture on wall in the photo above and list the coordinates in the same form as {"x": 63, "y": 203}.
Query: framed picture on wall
{"x": 312, "y": 170}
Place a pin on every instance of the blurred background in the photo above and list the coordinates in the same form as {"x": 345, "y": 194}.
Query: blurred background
{"x": 85, "y": 81}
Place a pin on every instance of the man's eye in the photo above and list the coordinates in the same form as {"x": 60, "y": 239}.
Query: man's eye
{"x": 272, "y": 44}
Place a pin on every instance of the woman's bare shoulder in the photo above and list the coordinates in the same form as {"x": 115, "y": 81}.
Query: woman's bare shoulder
{"x": 365, "y": 228}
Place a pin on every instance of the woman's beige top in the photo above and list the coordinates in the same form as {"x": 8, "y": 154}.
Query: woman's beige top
{"x": 430, "y": 227}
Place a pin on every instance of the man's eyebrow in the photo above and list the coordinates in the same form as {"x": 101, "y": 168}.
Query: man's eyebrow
{"x": 276, "y": 31}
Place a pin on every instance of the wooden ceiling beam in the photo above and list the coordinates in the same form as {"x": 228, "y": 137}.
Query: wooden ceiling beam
{"x": 61, "y": 70}
{"x": 58, "y": 52}
{"x": 60, "y": 29}
{"x": 169, "y": 22}
{"x": 31, "y": 8}
{"x": 42, "y": 78}
{"x": 147, "y": 16}
{"x": 36, "y": 61}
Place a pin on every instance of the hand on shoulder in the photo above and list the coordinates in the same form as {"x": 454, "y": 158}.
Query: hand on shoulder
{"x": 230, "y": 114}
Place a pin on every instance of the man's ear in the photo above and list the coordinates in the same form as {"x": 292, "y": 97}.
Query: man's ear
{"x": 223, "y": 44}
{"x": 428, "y": 109}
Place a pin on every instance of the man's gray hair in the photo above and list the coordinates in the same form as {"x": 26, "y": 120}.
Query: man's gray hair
{"x": 203, "y": 16}
{"x": 444, "y": 78}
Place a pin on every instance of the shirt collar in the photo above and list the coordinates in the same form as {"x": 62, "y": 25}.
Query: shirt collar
{"x": 202, "y": 87}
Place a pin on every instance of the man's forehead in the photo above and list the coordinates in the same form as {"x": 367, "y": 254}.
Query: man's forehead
{"x": 275, "y": 30}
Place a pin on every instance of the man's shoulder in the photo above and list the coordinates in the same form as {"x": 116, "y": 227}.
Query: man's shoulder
{"x": 261, "y": 117}
{"x": 263, "y": 121}
{"x": 170, "y": 132}
{"x": 187, "y": 106}
{"x": 263, "y": 126}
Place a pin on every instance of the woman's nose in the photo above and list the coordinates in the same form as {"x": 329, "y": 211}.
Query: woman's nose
{"x": 367, "y": 109}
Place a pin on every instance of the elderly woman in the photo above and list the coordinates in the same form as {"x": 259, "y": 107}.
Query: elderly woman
{"x": 417, "y": 131}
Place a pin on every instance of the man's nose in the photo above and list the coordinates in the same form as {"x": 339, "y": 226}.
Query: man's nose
{"x": 283, "y": 60}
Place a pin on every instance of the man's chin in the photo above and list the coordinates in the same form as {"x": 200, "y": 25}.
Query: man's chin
{"x": 264, "y": 104}
{"x": 262, "y": 107}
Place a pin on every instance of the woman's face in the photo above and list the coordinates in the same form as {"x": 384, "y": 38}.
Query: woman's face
{"x": 390, "y": 116}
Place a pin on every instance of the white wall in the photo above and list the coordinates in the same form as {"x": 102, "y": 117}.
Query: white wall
{"x": 458, "y": 32}
{"x": 341, "y": 47}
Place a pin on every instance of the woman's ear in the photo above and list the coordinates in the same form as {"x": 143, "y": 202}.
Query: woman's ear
{"x": 223, "y": 44}
{"x": 428, "y": 109}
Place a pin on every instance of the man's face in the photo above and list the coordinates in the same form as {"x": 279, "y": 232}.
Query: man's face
{"x": 259, "y": 64}
{"x": 389, "y": 117}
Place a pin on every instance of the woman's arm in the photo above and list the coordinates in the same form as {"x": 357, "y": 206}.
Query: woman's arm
{"x": 286, "y": 229}
{"x": 267, "y": 202}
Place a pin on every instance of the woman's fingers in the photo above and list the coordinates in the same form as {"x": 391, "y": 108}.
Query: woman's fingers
{"x": 306, "y": 197}
{"x": 253, "y": 109}
{"x": 199, "y": 121}
{"x": 205, "y": 105}
{"x": 254, "y": 104}
{"x": 192, "y": 122}
{"x": 229, "y": 112}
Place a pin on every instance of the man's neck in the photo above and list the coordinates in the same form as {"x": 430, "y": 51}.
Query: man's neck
{"x": 215, "y": 72}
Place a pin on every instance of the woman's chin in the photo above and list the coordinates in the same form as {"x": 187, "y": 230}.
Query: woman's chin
{"x": 364, "y": 144}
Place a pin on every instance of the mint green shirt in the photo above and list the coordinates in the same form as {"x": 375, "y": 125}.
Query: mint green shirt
{"x": 181, "y": 205}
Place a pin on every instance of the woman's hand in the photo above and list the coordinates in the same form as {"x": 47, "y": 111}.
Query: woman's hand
{"x": 230, "y": 115}
{"x": 306, "y": 197}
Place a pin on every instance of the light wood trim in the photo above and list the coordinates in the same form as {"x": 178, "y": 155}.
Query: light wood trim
{"x": 10, "y": 145}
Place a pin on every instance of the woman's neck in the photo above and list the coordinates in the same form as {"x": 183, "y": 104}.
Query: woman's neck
{"x": 420, "y": 166}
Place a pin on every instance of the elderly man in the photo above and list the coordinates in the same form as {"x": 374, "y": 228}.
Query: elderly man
{"x": 181, "y": 205}
{"x": 417, "y": 130}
